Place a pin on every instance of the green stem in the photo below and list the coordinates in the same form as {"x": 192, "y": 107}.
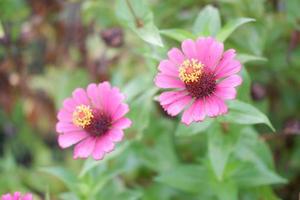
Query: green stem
{"x": 138, "y": 22}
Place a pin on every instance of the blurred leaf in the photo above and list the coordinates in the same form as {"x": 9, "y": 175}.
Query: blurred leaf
{"x": 220, "y": 146}
{"x": 193, "y": 129}
{"x": 137, "y": 16}
{"x": 253, "y": 176}
{"x": 178, "y": 34}
{"x": 244, "y": 113}
{"x": 60, "y": 83}
{"x": 227, "y": 191}
{"x": 244, "y": 89}
{"x": 231, "y": 26}
{"x": 65, "y": 175}
{"x": 189, "y": 178}
{"x": 1, "y": 30}
{"x": 208, "y": 22}
{"x": 245, "y": 58}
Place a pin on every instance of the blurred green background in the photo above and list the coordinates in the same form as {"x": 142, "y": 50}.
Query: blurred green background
{"x": 50, "y": 47}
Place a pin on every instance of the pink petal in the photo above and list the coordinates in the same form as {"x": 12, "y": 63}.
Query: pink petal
{"x": 187, "y": 116}
{"x": 103, "y": 145}
{"x": 189, "y": 49}
{"x": 84, "y": 148}
{"x": 68, "y": 139}
{"x": 176, "y": 56}
{"x": 64, "y": 115}
{"x": 115, "y": 135}
{"x": 222, "y": 106}
{"x": 17, "y": 196}
{"x": 211, "y": 107}
{"x": 69, "y": 104}
{"x": 169, "y": 97}
{"x": 164, "y": 81}
{"x": 225, "y": 93}
{"x": 94, "y": 95}
{"x": 231, "y": 81}
{"x": 62, "y": 127}
{"x": 7, "y": 197}
{"x": 199, "y": 112}
{"x": 120, "y": 112}
{"x": 226, "y": 58}
{"x": 98, "y": 152}
{"x": 27, "y": 196}
{"x": 80, "y": 96}
{"x": 227, "y": 66}
{"x": 202, "y": 48}
{"x": 114, "y": 100}
{"x": 177, "y": 106}
{"x": 122, "y": 123}
{"x": 168, "y": 68}
{"x": 213, "y": 55}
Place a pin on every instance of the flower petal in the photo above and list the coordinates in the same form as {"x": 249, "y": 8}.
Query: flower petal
{"x": 164, "y": 81}
{"x": 80, "y": 96}
{"x": 69, "y": 104}
{"x": 120, "y": 111}
{"x": 187, "y": 116}
{"x": 226, "y": 92}
{"x": 122, "y": 123}
{"x": 94, "y": 95}
{"x": 169, "y": 97}
{"x": 115, "y": 135}
{"x": 68, "y": 139}
{"x": 177, "y": 106}
{"x": 62, "y": 127}
{"x": 168, "y": 68}
{"x": 84, "y": 148}
{"x": 228, "y": 65}
{"x": 98, "y": 152}
{"x": 231, "y": 81}
{"x": 64, "y": 115}
{"x": 189, "y": 49}
{"x": 27, "y": 196}
{"x": 211, "y": 107}
{"x": 176, "y": 56}
{"x": 199, "y": 112}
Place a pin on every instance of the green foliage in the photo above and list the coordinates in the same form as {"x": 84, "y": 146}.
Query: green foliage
{"x": 138, "y": 17}
{"x": 224, "y": 158}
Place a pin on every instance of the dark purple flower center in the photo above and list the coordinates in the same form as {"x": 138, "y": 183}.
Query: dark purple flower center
{"x": 203, "y": 87}
{"x": 100, "y": 123}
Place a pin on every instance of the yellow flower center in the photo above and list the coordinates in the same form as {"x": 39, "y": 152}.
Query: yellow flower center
{"x": 190, "y": 70}
{"x": 82, "y": 116}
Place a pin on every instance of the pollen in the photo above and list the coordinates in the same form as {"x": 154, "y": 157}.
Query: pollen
{"x": 190, "y": 70}
{"x": 82, "y": 116}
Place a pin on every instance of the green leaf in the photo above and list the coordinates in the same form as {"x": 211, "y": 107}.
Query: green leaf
{"x": 1, "y": 30}
{"x": 189, "y": 178}
{"x": 245, "y": 58}
{"x": 60, "y": 83}
{"x": 65, "y": 175}
{"x": 138, "y": 17}
{"x": 244, "y": 113}
{"x": 208, "y": 22}
{"x": 220, "y": 146}
{"x": 227, "y": 191}
{"x": 193, "y": 129}
{"x": 178, "y": 34}
{"x": 249, "y": 175}
{"x": 232, "y": 26}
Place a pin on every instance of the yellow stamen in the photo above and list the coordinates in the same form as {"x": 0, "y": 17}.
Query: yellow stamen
{"x": 82, "y": 116}
{"x": 190, "y": 70}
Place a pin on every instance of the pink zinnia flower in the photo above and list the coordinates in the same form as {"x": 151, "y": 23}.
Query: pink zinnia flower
{"x": 16, "y": 196}
{"x": 94, "y": 119}
{"x": 201, "y": 77}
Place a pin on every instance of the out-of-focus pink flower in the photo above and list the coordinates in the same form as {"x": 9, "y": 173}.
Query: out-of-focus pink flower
{"x": 16, "y": 196}
{"x": 93, "y": 119}
{"x": 200, "y": 77}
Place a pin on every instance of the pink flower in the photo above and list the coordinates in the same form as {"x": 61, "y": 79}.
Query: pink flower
{"x": 201, "y": 77}
{"x": 16, "y": 196}
{"x": 93, "y": 119}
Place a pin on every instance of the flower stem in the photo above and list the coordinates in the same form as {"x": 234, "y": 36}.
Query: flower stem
{"x": 138, "y": 22}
